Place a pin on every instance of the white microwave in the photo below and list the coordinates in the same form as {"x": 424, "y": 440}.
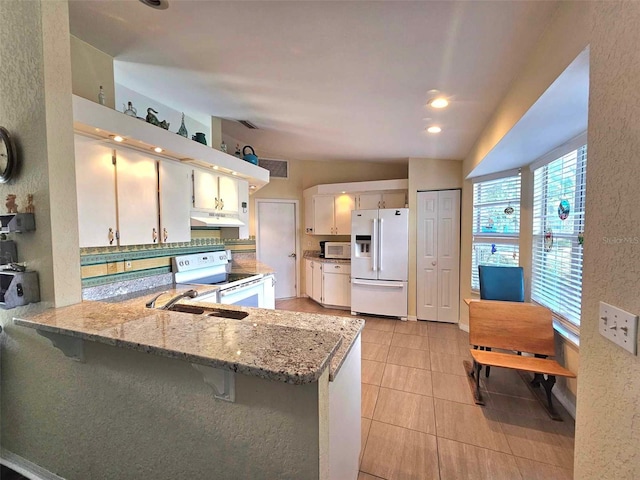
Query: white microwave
{"x": 337, "y": 250}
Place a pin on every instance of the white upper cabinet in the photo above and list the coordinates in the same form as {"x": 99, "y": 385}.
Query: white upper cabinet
{"x": 370, "y": 201}
{"x": 228, "y": 194}
{"x": 96, "y": 190}
{"x": 137, "y": 182}
{"x": 332, "y": 214}
{"x": 323, "y": 215}
{"x": 175, "y": 202}
{"x": 205, "y": 190}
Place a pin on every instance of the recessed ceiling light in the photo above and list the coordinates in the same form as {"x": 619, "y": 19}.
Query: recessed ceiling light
{"x": 157, "y": 150}
{"x": 439, "y": 102}
{"x": 434, "y": 129}
{"x": 116, "y": 138}
{"x": 233, "y": 173}
{"x": 157, "y": 4}
{"x": 252, "y": 187}
{"x": 215, "y": 167}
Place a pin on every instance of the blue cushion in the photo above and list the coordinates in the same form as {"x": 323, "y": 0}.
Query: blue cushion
{"x": 501, "y": 283}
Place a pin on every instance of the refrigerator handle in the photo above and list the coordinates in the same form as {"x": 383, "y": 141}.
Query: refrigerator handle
{"x": 374, "y": 247}
{"x": 380, "y": 245}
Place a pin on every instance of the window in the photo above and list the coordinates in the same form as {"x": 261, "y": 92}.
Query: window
{"x": 558, "y": 223}
{"x": 496, "y": 224}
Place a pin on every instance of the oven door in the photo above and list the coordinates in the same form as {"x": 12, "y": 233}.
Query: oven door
{"x": 250, "y": 294}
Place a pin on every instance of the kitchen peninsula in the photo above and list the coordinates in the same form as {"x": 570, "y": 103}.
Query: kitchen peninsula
{"x": 274, "y": 395}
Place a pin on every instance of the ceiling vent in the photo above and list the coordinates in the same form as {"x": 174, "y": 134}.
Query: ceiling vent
{"x": 248, "y": 124}
{"x": 277, "y": 168}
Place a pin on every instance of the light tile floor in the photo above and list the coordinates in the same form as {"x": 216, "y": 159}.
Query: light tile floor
{"x": 419, "y": 420}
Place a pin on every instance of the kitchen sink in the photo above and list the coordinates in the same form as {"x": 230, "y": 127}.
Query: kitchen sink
{"x": 208, "y": 311}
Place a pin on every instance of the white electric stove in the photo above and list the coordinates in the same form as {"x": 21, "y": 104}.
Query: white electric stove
{"x": 212, "y": 269}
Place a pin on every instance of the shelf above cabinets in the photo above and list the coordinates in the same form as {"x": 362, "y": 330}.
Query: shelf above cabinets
{"x": 97, "y": 120}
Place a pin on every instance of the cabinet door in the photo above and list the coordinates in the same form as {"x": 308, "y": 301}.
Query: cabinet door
{"x": 205, "y": 189}
{"x": 317, "y": 282}
{"x": 308, "y": 278}
{"x": 323, "y": 215}
{"x": 96, "y": 190}
{"x": 369, "y": 201}
{"x": 393, "y": 200}
{"x": 137, "y": 184}
{"x": 269, "y": 294}
{"x": 243, "y": 213}
{"x": 337, "y": 289}
{"x": 228, "y": 194}
{"x": 175, "y": 202}
{"x": 343, "y": 206}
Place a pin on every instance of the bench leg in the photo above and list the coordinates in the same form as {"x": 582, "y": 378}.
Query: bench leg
{"x": 548, "y": 384}
{"x": 478, "y": 368}
{"x": 487, "y": 369}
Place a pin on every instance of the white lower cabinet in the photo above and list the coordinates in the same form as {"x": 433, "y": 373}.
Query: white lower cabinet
{"x": 337, "y": 285}
{"x": 328, "y": 283}
{"x": 269, "y": 295}
{"x": 317, "y": 282}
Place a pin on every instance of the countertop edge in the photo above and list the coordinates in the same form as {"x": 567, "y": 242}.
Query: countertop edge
{"x": 333, "y": 374}
{"x": 249, "y": 370}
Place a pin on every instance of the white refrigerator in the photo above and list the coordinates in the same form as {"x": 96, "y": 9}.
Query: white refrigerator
{"x": 380, "y": 262}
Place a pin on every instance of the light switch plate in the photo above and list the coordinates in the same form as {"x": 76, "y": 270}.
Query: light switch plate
{"x": 619, "y": 326}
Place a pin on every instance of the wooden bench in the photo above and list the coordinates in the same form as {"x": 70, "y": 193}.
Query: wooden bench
{"x": 519, "y": 327}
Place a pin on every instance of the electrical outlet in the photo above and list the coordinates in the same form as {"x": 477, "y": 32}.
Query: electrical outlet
{"x": 619, "y": 326}
{"x": 127, "y": 265}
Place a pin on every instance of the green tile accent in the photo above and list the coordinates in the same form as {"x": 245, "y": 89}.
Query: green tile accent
{"x": 107, "y": 257}
{"x": 121, "y": 277}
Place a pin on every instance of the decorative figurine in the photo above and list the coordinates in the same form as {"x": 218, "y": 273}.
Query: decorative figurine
{"x": 153, "y": 120}
{"x": 200, "y": 138}
{"x": 182, "y": 131}
{"x": 223, "y": 147}
{"x": 238, "y": 152}
{"x": 101, "y": 96}
{"x": 11, "y": 205}
{"x": 30, "y": 208}
{"x": 130, "y": 110}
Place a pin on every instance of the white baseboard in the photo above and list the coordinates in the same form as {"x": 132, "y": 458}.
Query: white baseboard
{"x": 564, "y": 400}
{"x": 464, "y": 327}
{"x": 412, "y": 318}
{"x": 26, "y": 468}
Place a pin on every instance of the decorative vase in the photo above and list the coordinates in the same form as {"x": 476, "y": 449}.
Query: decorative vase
{"x": 182, "y": 131}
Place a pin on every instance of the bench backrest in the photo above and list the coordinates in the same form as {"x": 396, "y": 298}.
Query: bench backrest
{"x": 523, "y": 327}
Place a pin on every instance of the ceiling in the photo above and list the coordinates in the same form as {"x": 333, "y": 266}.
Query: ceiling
{"x": 323, "y": 80}
{"x": 560, "y": 114}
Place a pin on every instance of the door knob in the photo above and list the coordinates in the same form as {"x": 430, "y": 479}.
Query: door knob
{"x": 293, "y": 255}
{"x": 433, "y": 263}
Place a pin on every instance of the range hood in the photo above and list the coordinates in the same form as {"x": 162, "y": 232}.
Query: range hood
{"x": 204, "y": 218}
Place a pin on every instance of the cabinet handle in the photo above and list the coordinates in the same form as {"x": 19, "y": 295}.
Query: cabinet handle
{"x": 111, "y": 236}
{"x": 337, "y": 266}
{"x": 273, "y": 281}
{"x": 217, "y": 205}
{"x": 154, "y": 235}
{"x": 384, "y": 204}
{"x": 165, "y": 235}
{"x": 378, "y": 204}
{"x": 221, "y": 204}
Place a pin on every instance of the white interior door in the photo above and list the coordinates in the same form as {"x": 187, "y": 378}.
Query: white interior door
{"x": 438, "y": 259}
{"x": 448, "y": 256}
{"x": 427, "y": 256}
{"x": 277, "y": 242}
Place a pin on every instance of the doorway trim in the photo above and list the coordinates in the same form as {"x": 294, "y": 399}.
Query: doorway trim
{"x": 296, "y": 205}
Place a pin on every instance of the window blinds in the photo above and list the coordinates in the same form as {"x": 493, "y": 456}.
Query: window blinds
{"x": 496, "y": 224}
{"x": 558, "y": 224}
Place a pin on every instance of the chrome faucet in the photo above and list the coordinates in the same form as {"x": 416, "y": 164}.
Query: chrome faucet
{"x": 152, "y": 303}
{"x": 189, "y": 293}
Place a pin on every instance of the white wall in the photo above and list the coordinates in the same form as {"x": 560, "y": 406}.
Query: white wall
{"x": 607, "y": 429}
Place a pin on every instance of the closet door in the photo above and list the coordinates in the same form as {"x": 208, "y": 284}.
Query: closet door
{"x": 438, "y": 259}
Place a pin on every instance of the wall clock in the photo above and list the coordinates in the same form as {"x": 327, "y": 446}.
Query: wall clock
{"x": 8, "y": 156}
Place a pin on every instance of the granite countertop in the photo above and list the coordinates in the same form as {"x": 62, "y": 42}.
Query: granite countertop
{"x": 291, "y": 347}
{"x": 315, "y": 255}
{"x": 250, "y": 266}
